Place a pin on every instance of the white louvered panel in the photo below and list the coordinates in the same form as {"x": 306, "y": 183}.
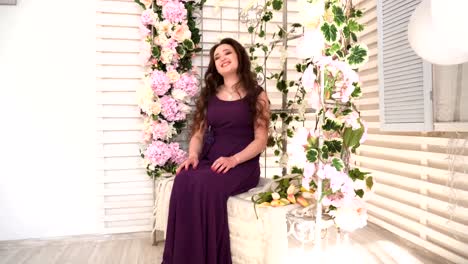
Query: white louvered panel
{"x": 115, "y": 32}
{"x": 117, "y": 98}
{"x": 401, "y": 69}
{"x": 120, "y": 137}
{"x": 117, "y": 84}
{"x": 412, "y": 197}
{"x": 390, "y": 222}
{"x": 118, "y": 7}
{"x": 119, "y": 111}
{"x": 121, "y": 20}
{"x": 417, "y": 240}
{"x": 124, "y": 59}
{"x": 120, "y": 124}
{"x": 403, "y": 208}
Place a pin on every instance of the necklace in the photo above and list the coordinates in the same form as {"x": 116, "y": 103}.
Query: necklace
{"x": 230, "y": 95}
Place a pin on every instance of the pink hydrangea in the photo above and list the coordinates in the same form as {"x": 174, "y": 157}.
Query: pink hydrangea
{"x": 174, "y": 11}
{"x": 177, "y": 154}
{"x": 351, "y": 120}
{"x": 364, "y": 136}
{"x": 148, "y": 17}
{"x": 144, "y": 31}
{"x": 160, "y": 82}
{"x": 158, "y": 153}
{"x": 171, "y": 109}
{"x": 160, "y": 129}
{"x": 187, "y": 83}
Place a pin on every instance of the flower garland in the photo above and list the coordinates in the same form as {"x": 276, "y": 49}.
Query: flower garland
{"x": 170, "y": 38}
{"x": 328, "y": 47}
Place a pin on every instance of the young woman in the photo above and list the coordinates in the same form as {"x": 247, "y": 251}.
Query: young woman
{"x": 230, "y": 131}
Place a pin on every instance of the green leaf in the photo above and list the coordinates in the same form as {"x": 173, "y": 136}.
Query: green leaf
{"x": 267, "y": 16}
{"x": 274, "y": 117}
{"x": 181, "y": 51}
{"x": 330, "y": 32}
{"x": 251, "y": 29}
{"x": 333, "y": 49}
{"x": 290, "y": 133}
{"x": 338, "y": 164}
{"x": 352, "y": 137}
{"x": 346, "y": 32}
{"x": 324, "y": 153}
{"x": 299, "y": 67}
{"x": 354, "y": 26}
{"x": 258, "y": 69}
{"x": 357, "y": 56}
{"x": 296, "y": 25}
{"x": 188, "y": 44}
{"x": 356, "y": 174}
{"x": 357, "y": 91}
{"x": 261, "y": 34}
{"x": 312, "y": 155}
{"x": 359, "y": 193}
{"x": 347, "y": 111}
{"x": 265, "y": 48}
{"x": 291, "y": 83}
{"x": 270, "y": 142}
{"x": 334, "y": 146}
{"x": 296, "y": 170}
{"x": 354, "y": 36}
{"x": 277, "y": 152}
{"x": 369, "y": 182}
{"x": 156, "y": 52}
{"x": 331, "y": 125}
{"x": 356, "y": 13}
{"x": 281, "y": 85}
{"x": 339, "y": 16}
{"x": 277, "y": 4}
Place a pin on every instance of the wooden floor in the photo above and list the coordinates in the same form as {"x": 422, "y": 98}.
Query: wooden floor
{"x": 368, "y": 245}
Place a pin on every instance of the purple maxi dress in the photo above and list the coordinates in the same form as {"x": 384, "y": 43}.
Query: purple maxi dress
{"x": 197, "y": 230}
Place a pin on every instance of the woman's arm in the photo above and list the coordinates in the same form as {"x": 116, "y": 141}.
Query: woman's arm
{"x": 256, "y": 147}
{"x": 261, "y": 133}
{"x": 195, "y": 148}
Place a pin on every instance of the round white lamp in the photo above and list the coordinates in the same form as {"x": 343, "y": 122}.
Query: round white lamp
{"x": 438, "y": 31}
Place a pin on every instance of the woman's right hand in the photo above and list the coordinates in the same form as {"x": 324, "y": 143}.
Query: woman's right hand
{"x": 191, "y": 160}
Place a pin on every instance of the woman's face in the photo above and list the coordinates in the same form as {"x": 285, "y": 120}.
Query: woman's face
{"x": 226, "y": 60}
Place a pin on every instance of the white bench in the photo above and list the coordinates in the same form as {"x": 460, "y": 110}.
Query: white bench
{"x": 253, "y": 241}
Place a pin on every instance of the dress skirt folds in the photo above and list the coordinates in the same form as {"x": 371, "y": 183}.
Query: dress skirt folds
{"x": 197, "y": 230}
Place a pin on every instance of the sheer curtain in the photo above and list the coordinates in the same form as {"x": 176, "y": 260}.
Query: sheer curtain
{"x": 450, "y": 85}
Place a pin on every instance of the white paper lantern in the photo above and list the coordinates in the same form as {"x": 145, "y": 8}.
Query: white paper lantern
{"x": 438, "y": 32}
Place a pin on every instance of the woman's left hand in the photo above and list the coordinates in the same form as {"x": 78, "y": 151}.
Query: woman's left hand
{"x": 224, "y": 164}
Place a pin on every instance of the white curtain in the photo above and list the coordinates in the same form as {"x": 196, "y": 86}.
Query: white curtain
{"x": 450, "y": 84}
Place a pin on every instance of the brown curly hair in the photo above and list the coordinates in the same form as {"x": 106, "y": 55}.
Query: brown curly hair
{"x": 247, "y": 80}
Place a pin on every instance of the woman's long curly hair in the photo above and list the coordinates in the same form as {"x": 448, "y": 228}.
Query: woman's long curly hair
{"x": 247, "y": 80}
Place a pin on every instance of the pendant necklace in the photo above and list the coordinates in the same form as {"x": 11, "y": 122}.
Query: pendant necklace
{"x": 230, "y": 96}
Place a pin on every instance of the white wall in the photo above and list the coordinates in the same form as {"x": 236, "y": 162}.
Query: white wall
{"x": 47, "y": 115}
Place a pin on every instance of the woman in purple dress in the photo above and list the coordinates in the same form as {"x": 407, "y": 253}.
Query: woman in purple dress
{"x": 230, "y": 131}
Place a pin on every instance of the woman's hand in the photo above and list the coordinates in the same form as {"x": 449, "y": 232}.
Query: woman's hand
{"x": 224, "y": 164}
{"x": 191, "y": 160}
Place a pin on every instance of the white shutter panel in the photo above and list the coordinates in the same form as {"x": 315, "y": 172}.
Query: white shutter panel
{"x": 405, "y": 79}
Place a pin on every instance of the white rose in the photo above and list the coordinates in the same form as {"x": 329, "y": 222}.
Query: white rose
{"x": 166, "y": 55}
{"x": 275, "y": 196}
{"x": 179, "y": 94}
{"x": 185, "y": 108}
{"x": 156, "y": 108}
{"x": 173, "y": 76}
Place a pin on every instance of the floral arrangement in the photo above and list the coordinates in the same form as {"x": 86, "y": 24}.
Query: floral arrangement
{"x": 170, "y": 39}
{"x": 322, "y": 155}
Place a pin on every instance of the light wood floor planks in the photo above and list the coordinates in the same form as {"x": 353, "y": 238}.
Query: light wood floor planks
{"x": 371, "y": 244}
